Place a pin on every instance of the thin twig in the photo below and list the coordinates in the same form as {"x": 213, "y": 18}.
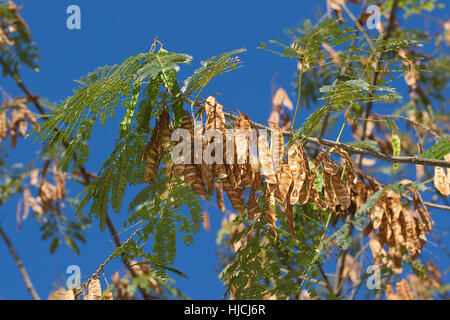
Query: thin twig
{"x": 355, "y": 150}
{"x": 20, "y": 265}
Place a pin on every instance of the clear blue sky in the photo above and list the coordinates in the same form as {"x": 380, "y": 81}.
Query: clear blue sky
{"x": 112, "y": 31}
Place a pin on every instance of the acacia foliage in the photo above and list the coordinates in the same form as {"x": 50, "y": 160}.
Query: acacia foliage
{"x": 281, "y": 234}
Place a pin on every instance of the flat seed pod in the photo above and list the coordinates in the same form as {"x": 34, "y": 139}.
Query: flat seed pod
{"x": 329, "y": 191}
{"x": 152, "y": 157}
{"x": 219, "y": 197}
{"x": 271, "y": 219}
{"x": 165, "y": 130}
{"x": 424, "y": 214}
{"x": 241, "y": 144}
{"x": 314, "y": 194}
{"x": 234, "y": 194}
{"x": 403, "y": 290}
{"x": 187, "y": 123}
{"x": 265, "y": 160}
{"x": 271, "y": 189}
{"x": 293, "y": 162}
{"x": 441, "y": 181}
{"x": 95, "y": 290}
{"x": 376, "y": 215}
{"x": 207, "y": 175}
{"x": 390, "y": 295}
{"x": 193, "y": 178}
{"x": 3, "y": 128}
{"x": 277, "y": 148}
{"x": 285, "y": 182}
{"x": 247, "y": 176}
{"x": 349, "y": 163}
{"x": 382, "y": 233}
{"x": 216, "y": 121}
{"x": 290, "y": 215}
{"x": 409, "y": 232}
{"x": 69, "y": 295}
{"x": 341, "y": 192}
{"x": 253, "y": 208}
{"x": 215, "y": 116}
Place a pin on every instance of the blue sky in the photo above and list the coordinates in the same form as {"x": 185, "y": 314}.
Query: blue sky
{"x": 110, "y": 32}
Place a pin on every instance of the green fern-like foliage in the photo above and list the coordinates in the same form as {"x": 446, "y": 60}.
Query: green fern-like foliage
{"x": 210, "y": 69}
{"x": 143, "y": 85}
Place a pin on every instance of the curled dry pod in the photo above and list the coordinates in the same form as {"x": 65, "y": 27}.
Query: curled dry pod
{"x": 165, "y": 130}
{"x": 409, "y": 232}
{"x": 390, "y": 295}
{"x": 265, "y": 160}
{"x": 19, "y": 122}
{"x": 298, "y": 175}
{"x": 241, "y": 144}
{"x": 254, "y": 210}
{"x": 235, "y": 195}
{"x": 403, "y": 290}
{"x": 3, "y": 128}
{"x": 205, "y": 170}
{"x": 424, "y": 214}
{"x": 69, "y": 295}
{"x": 348, "y": 161}
{"x": 284, "y": 184}
{"x": 248, "y": 174}
{"x": 308, "y": 181}
{"x": 183, "y": 159}
{"x": 341, "y": 192}
{"x": 219, "y": 196}
{"x": 290, "y": 215}
{"x": 192, "y": 176}
{"x": 95, "y": 290}
{"x": 441, "y": 181}
{"x": 152, "y": 156}
{"x": 277, "y": 147}
{"x": 215, "y": 120}
{"x": 271, "y": 219}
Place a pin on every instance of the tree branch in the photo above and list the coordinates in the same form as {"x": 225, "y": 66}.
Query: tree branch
{"x": 20, "y": 265}
{"x": 355, "y": 150}
{"x": 84, "y": 173}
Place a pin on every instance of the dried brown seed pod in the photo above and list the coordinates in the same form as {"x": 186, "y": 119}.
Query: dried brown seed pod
{"x": 95, "y": 290}
{"x": 3, "y": 127}
{"x": 152, "y": 156}
{"x": 219, "y": 196}
{"x": 265, "y": 160}
{"x": 165, "y": 130}
{"x": 234, "y": 194}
